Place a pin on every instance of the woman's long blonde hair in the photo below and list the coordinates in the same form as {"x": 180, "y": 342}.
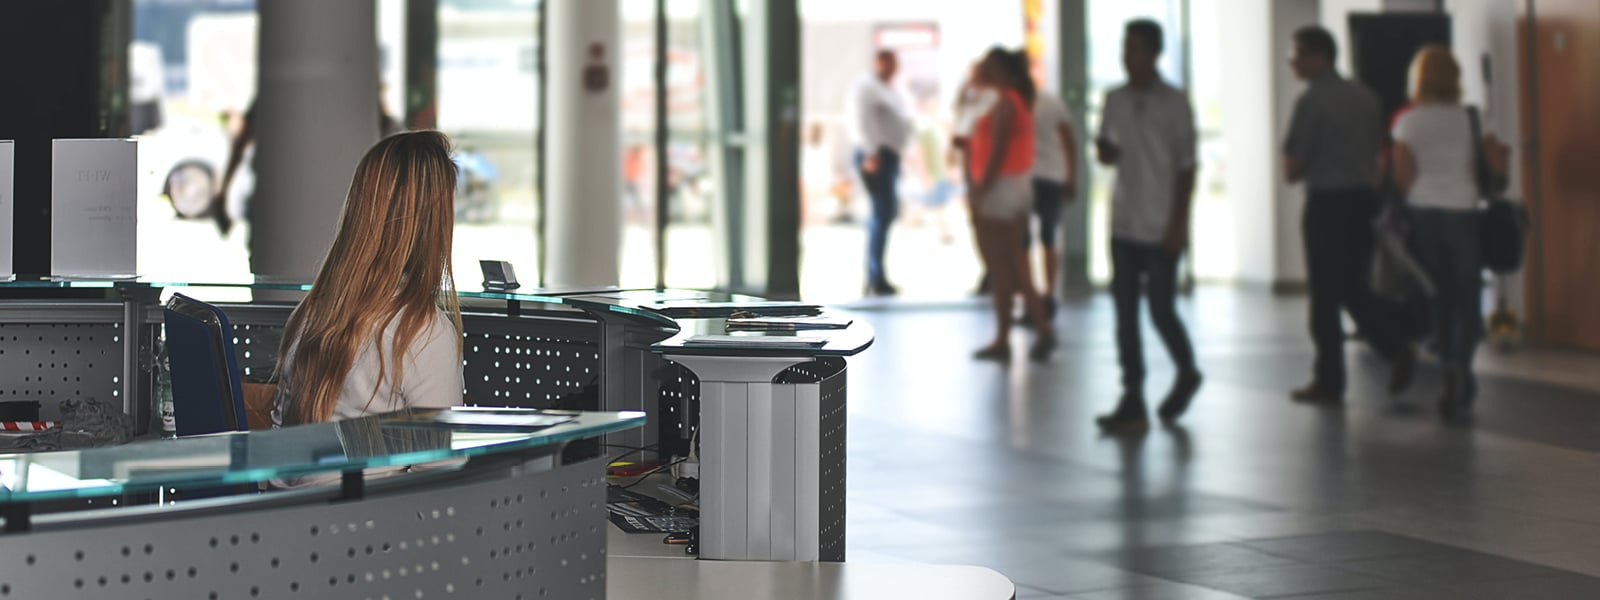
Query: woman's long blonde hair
{"x": 390, "y": 260}
{"x": 1435, "y": 75}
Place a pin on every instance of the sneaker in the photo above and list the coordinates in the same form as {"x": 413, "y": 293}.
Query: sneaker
{"x": 1000, "y": 353}
{"x": 1043, "y": 347}
{"x": 1182, "y": 394}
{"x": 881, "y": 289}
{"x": 1403, "y": 369}
{"x": 1316, "y": 393}
{"x": 1129, "y": 416}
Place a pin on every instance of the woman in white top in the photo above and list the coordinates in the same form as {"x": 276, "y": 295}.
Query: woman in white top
{"x": 380, "y": 330}
{"x": 1436, "y": 168}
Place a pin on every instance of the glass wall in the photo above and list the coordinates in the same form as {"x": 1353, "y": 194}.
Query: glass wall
{"x": 1193, "y": 61}
{"x": 193, "y": 76}
{"x": 930, "y": 253}
{"x": 487, "y": 100}
{"x": 688, "y": 227}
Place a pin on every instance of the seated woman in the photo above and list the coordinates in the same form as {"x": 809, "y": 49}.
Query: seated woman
{"x": 380, "y": 330}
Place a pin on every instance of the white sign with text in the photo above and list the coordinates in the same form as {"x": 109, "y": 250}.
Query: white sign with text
{"x": 93, "y": 223}
{"x": 8, "y": 153}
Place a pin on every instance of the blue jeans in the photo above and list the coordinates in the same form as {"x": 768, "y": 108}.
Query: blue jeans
{"x": 1446, "y": 243}
{"x": 885, "y": 207}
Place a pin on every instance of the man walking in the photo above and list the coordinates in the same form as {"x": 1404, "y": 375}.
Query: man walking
{"x": 1334, "y": 143}
{"x": 881, "y": 126}
{"x": 1147, "y": 131}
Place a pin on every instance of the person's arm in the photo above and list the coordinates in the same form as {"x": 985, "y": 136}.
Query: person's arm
{"x": 1186, "y": 138}
{"x": 1177, "y": 238}
{"x": 1405, "y": 167}
{"x": 247, "y": 136}
{"x": 1002, "y": 116}
{"x": 865, "y": 107}
{"x": 1069, "y": 150}
{"x": 1107, "y": 151}
{"x": 1297, "y": 146}
{"x": 1497, "y": 154}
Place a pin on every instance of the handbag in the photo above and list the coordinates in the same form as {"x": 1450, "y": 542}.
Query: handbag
{"x": 1502, "y": 223}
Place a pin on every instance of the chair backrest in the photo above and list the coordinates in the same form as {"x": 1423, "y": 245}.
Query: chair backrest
{"x": 206, "y": 392}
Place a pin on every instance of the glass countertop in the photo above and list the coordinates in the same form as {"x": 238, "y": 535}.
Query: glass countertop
{"x": 402, "y": 438}
{"x": 691, "y": 314}
{"x": 712, "y": 336}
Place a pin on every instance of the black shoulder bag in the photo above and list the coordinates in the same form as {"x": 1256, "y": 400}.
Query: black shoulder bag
{"x": 1502, "y": 223}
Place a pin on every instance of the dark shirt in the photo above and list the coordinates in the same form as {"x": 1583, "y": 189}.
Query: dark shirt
{"x": 1336, "y": 134}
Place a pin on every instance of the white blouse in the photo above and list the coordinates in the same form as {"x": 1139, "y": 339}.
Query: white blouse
{"x": 432, "y": 377}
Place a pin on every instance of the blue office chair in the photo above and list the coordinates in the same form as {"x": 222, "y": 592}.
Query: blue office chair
{"x": 206, "y": 393}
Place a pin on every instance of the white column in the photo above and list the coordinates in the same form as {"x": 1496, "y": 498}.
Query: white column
{"x": 583, "y": 144}
{"x": 316, "y": 114}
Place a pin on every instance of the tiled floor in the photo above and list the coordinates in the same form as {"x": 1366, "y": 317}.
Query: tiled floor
{"x": 957, "y": 461}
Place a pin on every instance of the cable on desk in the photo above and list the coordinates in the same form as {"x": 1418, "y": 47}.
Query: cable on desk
{"x": 647, "y": 474}
{"x": 632, "y": 450}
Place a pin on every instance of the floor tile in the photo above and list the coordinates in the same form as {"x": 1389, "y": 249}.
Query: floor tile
{"x": 1344, "y": 546}
{"x": 1162, "y": 591}
{"x": 1285, "y": 580}
{"x": 1449, "y": 568}
{"x": 1174, "y": 561}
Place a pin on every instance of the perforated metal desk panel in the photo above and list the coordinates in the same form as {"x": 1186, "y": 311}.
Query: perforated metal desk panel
{"x": 523, "y": 517}
{"x": 532, "y": 349}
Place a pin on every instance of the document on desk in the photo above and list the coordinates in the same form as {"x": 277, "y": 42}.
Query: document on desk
{"x": 789, "y": 322}
{"x": 8, "y": 153}
{"x": 718, "y": 309}
{"x": 756, "y": 341}
{"x": 485, "y": 418}
{"x": 93, "y": 216}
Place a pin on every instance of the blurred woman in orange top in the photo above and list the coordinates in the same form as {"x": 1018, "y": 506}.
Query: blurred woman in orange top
{"x": 999, "y": 161}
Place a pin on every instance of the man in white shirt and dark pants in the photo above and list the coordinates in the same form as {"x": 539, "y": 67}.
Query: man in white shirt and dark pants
{"x": 881, "y": 127}
{"x": 1147, "y": 132}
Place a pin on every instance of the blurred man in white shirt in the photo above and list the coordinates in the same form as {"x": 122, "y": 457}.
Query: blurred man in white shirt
{"x": 1147, "y": 132}
{"x": 881, "y": 125}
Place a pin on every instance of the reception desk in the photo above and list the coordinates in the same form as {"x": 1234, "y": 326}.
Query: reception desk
{"x": 763, "y": 418}
{"x": 491, "y": 513}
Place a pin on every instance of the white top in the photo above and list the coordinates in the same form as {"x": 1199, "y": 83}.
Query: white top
{"x": 973, "y": 103}
{"x": 1440, "y": 139}
{"x": 1049, "y": 115}
{"x": 1155, "y": 130}
{"x": 432, "y": 377}
{"x": 878, "y": 115}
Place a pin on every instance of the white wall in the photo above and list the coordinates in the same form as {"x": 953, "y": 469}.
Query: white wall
{"x": 1247, "y": 74}
{"x": 1288, "y": 15}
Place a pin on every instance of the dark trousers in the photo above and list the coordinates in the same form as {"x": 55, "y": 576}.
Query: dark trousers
{"x": 1446, "y": 243}
{"x": 1338, "y": 240}
{"x": 1139, "y": 269}
{"x": 885, "y": 207}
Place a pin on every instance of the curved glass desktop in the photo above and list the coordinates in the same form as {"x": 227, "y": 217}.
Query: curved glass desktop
{"x": 521, "y": 511}
{"x": 657, "y": 352}
{"x": 397, "y": 439}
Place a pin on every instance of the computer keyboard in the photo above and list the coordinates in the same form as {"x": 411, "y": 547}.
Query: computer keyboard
{"x": 637, "y": 513}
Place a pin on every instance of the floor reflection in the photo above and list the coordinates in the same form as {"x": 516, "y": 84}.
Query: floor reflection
{"x": 1251, "y": 495}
